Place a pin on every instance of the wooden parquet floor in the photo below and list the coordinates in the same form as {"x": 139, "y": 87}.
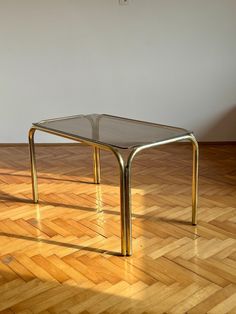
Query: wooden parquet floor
{"x": 61, "y": 256}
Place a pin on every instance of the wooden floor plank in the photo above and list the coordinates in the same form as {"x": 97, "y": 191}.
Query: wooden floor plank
{"x": 62, "y": 255}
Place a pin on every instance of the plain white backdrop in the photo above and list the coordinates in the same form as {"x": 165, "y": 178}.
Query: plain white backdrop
{"x": 167, "y": 61}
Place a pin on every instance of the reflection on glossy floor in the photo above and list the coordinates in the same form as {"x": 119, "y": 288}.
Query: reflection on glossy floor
{"x": 61, "y": 256}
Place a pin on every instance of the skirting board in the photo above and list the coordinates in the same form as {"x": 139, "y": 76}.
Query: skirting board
{"x": 78, "y": 143}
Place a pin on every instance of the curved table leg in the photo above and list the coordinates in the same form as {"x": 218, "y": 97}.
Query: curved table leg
{"x": 125, "y": 205}
{"x": 127, "y": 191}
{"x": 194, "y": 179}
{"x": 33, "y": 165}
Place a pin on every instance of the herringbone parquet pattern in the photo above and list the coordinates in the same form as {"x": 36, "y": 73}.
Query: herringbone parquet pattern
{"x": 61, "y": 256}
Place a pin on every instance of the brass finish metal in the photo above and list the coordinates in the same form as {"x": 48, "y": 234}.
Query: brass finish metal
{"x": 125, "y": 177}
{"x": 128, "y": 175}
{"x": 123, "y": 201}
{"x": 195, "y": 180}
{"x": 33, "y": 165}
{"x": 96, "y": 164}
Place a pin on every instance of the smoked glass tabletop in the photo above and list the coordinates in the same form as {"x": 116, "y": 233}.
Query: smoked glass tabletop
{"x": 111, "y": 130}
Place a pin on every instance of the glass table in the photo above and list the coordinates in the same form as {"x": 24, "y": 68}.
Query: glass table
{"x": 118, "y": 135}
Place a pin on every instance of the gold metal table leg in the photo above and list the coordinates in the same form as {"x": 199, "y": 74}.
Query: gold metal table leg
{"x": 123, "y": 209}
{"x": 128, "y": 210}
{"x": 127, "y": 171}
{"x": 97, "y": 165}
{"x": 195, "y": 180}
{"x": 33, "y": 165}
{"x": 125, "y": 204}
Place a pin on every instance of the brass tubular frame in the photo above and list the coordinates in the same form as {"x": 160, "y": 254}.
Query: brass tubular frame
{"x": 97, "y": 147}
{"x": 130, "y": 159}
{"x": 123, "y": 201}
{"x": 33, "y": 165}
{"x": 195, "y": 179}
{"x": 125, "y": 177}
{"x": 96, "y": 165}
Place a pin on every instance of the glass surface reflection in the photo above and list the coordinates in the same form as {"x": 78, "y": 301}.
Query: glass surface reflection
{"x": 114, "y": 131}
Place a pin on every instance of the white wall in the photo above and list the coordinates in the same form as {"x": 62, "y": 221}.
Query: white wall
{"x": 167, "y": 61}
